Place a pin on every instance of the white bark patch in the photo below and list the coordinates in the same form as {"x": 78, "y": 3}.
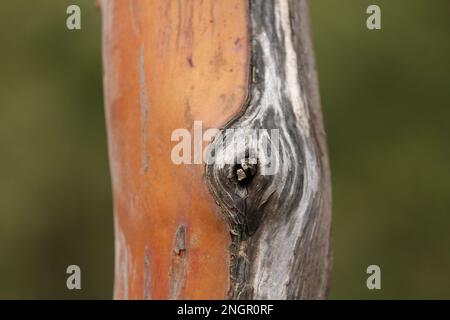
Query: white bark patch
{"x": 271, "y": 282}
{"x": 292, "y": 80}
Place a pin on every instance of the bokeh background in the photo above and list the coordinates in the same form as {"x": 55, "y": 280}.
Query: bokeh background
{"x": 386, "y": 102}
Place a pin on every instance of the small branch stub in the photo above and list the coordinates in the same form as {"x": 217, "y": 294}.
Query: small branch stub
{"x": 246, "y": 170}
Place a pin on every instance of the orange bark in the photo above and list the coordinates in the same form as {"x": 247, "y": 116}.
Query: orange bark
{"x": 166, "y": 64}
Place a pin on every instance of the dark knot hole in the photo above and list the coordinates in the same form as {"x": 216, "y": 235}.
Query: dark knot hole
{"x": 245, "y": 170}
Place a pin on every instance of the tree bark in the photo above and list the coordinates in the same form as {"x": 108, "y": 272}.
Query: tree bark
{"x": 216, "y": 231}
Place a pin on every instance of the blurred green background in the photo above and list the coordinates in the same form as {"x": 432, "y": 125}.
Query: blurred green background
{"x": 385, "y": 97}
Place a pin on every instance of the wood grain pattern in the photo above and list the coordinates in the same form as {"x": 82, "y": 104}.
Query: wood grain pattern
{"x": 166, "y": 64}
{"x": 280, "y": 222}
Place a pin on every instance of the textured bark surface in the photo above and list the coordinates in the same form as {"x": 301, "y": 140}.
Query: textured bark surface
{"x": 196, "y": 231}
{"x": 280, "y": 222}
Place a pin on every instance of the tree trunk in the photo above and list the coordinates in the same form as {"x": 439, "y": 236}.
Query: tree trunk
{"x": 238, "y": 230}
